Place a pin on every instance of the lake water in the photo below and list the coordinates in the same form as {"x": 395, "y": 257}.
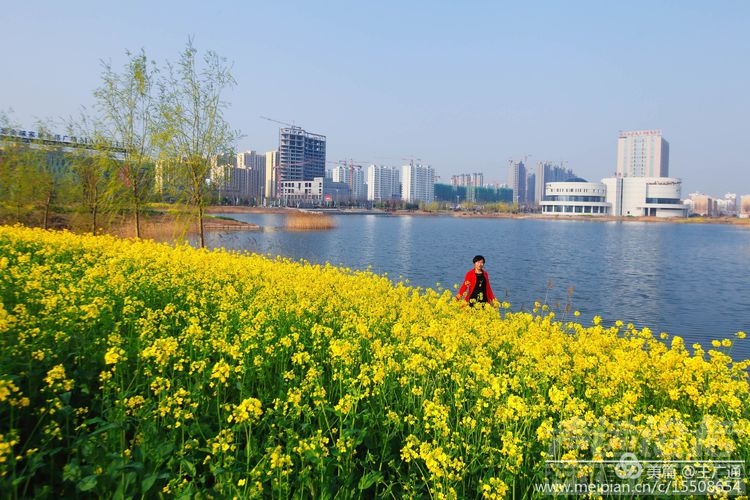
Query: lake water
{"x": 691, "y": 280}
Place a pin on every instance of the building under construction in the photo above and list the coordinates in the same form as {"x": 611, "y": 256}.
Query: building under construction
{"x": 302, "y": 155}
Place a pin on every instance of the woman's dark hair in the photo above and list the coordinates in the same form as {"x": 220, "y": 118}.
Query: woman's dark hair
{"x": 478, "y": 258}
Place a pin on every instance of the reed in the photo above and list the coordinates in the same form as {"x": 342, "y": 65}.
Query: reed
{"x": 309, "y": 221}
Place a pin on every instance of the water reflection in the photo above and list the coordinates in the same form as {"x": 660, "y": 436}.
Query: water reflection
{"x": 368, "y": 244}
{"x": 632, "y": 274}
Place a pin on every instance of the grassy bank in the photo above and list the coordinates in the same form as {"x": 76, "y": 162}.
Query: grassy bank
{"x": 137, "y": 369}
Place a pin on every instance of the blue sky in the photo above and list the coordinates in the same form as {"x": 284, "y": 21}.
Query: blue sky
{"x": 464, "y": 86}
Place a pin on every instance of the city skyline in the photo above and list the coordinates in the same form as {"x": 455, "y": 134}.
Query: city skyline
{"x": 463, "y": 87}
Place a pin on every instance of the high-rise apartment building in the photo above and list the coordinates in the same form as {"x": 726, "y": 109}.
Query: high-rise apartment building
{"x": 530, "y": 188}
{"x": 253, "y": 167}
{"x": 475, "y": 179}
{"x": 745, "y": 206}
{"x": 338, "y": 174}
{"x": 302, "y": 155}
{"x": 383, "y": 183}
{"x": 239, "y": 178}
{"x": 642, "y": 153}
{"x": 272, "y": 170}
{"x": 702, "y": 204}
{"x": 549, "y": 172}
{"x": 354, "y": 177}
{"x": 469, "y": 181}
{"x": 517, "y": 181}
{"x": 729, "y": 205}
{"x": 223, "y": 178}
{"x": 418, "y": 183}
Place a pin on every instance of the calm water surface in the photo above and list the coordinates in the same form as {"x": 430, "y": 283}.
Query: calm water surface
{"x": 690, "y": 280}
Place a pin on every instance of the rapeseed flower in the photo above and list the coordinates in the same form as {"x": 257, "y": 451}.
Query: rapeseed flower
{"x": 215, "y": 366}
{"x": 249, "y": 410}
{"x": 57, "y": 380}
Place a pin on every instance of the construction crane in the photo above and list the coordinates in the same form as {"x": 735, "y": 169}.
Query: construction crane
{"x": 525, "y": 160}
{"x": 411, "y": 160}
{"x": 351, "y": 162}
{"x": 279, "y": 121}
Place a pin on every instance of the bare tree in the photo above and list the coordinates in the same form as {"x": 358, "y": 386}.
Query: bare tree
{"x": 193, "y": 131}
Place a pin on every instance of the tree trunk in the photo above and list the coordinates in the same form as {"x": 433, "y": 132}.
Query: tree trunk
{"x": 135, "y": 191}
{"x": 47, "y": 204}
{"x": 200, "y": 227}
{"x": 93, "y": 221}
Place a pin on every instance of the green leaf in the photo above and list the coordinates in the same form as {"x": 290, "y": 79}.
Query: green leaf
{"x": 369, "y": 479}
{"x": 165, "y": 449}
{"x": 88, "y": 483}
{"x": 123, "y": 487}
{"x": 71, "y": 471}
{"x": 190, "y": 466}
{"x": 148, "y": 482}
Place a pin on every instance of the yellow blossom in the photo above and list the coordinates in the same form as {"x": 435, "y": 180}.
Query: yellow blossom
{"x": 249, "y": 410}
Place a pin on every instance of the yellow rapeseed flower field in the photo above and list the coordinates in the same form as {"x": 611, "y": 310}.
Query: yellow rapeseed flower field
{"x": 130, "y": 368}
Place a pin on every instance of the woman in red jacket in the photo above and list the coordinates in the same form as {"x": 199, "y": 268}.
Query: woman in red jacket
{"x": 476, "y": 286}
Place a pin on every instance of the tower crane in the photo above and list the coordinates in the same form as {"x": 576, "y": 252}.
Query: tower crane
{"x": 279, "y": 121}
{"x": 351, "y": 162}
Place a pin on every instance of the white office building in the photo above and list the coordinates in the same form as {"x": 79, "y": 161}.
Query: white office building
{"x": 575, "y": 197}
{"x": 642, "y": 153}
{"x": 645, "y": 196}
{"x": 301, "y": 192}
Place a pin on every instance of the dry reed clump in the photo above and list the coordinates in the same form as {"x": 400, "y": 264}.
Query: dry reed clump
{"x": 309, "y": 221}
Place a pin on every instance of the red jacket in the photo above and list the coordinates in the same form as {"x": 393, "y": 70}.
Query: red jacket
{"x": 470, "y": 281}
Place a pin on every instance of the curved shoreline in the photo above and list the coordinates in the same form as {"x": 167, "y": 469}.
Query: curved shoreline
{"x": 734, "y": 221}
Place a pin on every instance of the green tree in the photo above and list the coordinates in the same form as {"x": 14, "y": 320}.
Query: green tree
{"x": 52, "y": 177}
{"x": 16, "y": 188}
{"x": 10, "y": 176}
{"x": 29, "y": 178}
{"x": 128, "y": 114}
{"x": 98, "y": 187}
{"x": 193, "y": 131}
{"x": 96, "y": 190}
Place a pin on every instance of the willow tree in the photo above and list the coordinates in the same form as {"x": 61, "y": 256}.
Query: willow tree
{"x": 16, "y": 182}
{"x": 128, "y": 119}
{"x": 14, "y": 191}
{"x": 31, "y": 175}
{"x": 193, "y": 131}
{"x": 99, "y": 188}
{"x": 53, "y": 178}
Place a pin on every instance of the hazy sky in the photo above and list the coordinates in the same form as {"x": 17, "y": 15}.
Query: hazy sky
{"x": 463, "y": 85}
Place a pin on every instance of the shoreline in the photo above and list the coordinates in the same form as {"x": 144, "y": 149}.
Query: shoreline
{"x": 733, "y": 221}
